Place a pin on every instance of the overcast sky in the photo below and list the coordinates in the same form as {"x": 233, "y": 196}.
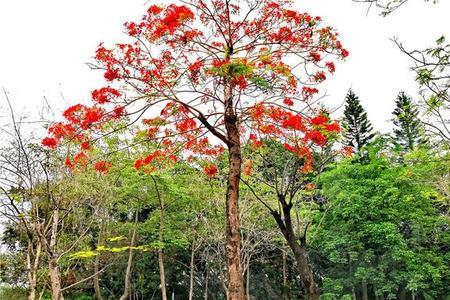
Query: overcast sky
{"x": 46, "y": 44}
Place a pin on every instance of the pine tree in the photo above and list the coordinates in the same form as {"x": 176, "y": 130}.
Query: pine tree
{"x": 408, "y": 128}
{"x": 358, "y": 129}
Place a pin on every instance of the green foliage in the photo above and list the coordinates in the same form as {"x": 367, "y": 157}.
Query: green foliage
{"x": 408, "y": 128}
{"x": 357, "y": 127}
{"x": 382, "y": 228}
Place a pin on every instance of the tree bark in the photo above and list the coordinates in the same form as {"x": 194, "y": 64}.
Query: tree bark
{"x": 299, "y": 250}
{"x": 285, "y": 285}
{"x": 191, "y": 273}
{"x": 32, "y": 265}
{"x": 126, "y": 289}
{"x": 235, "y": 280}
{"x": 162, "y": 274}
{"x": 96, "y": 280}
{"x": 206, "y": 282}
{"x": 365, "y": 294}
{"x": 247, "y": 286}
{"x": 55, "y": 278}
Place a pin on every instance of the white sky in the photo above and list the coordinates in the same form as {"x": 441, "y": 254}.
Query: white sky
{"x": 45, "y": 46}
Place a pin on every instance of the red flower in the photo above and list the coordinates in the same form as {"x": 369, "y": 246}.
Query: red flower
{"x": 309, "y": 91}
{"x": 72, "y": 114}
{"x": 348, "y": 151}
{"x": 92, "y": 115}
{"x": 316, "y": 137}
{"x": 80, "y": 159}
{"x": 154, "y": 9}
{"x": 118, "y": 112}
{"x": 288, "y": 101}
{"x": 319, "y": 120}
{"x": 330, "y": 66}
{"x": 315, "y": 56}
{"x": 194, "y": 69}
{"x": 68, "y": 163}
{"x": 102, "y": 166}
{"x": 112, "y": 74}
{"x": 86, "y": 145}
{"x": 210, "y": 170}
{"x": 49, "y": 142}
{"x": 248, "y": 167}
{"x": 104, "y": 94}
{"x": 320, "y": 76}
{"x": 60, "y": 130}
{"x": 295, "y": 122}
{"x": 334, "y": 127}
{"x": 344, "y": 53}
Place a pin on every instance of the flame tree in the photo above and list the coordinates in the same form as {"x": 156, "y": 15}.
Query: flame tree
{"x": 204, "y": 77}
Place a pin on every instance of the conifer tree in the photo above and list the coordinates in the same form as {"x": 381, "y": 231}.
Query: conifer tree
{"x": 358, "y": 129}
{"x": 407, "y": 129}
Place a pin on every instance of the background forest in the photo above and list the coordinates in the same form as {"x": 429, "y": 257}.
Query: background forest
{"x": 328, "y": 207}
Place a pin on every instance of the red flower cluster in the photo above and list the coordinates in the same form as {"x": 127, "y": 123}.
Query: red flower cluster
{"x": 84, "y": 116}
{"x": 49, "y": 142}
{"x": 210, "y": 170}
{"x": 102, "y": 166}
{"x": 294, "y": 122}
{"x": 319, "y": 120}
{"x": 174, "y": 17}
{"x": 103, "y": 95}
{"x": 316, "y": 137}
{"x": 288, "y": 101}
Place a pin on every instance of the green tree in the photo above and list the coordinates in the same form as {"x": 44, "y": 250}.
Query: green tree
{"x": 358, "y": 129}
{"x": 383, "y": 237}
{"x": 408, "y": 131}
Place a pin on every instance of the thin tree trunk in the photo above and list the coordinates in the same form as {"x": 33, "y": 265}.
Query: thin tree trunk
{"x": 162, "y": 274}
{"x": 191, "y": 274}
{"x": 247, "y": 287}
{"x": 32, "y": 265}
{"x": 235, "y": 280}
{"x": 96, "y": 280}
{"x": 126, "y": 289}
{"x": 365, "y": 295}
{"x": 301, "y": 254}
{"x": 55, "y": 278}
{"x": 285, "y": 285}
{"x": 353, "y": 293}
{"x": 206, "y": 283}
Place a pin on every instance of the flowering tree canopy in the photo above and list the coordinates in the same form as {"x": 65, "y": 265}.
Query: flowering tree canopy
{"x": 205, "y": 76}
{"x": 183, "y": 56}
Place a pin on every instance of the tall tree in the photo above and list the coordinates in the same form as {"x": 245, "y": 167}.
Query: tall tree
{"x": 408, "y": 127}
{"x": 221, "y": 69}
{"x": 358, "y": 130}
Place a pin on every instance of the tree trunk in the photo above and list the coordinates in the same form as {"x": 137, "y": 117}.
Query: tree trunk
{"x": 96, "y": 280}
{"x": 191, "y": 273}
{"x": 247, "y": 286}
{"x": 32, "y": 265}
{"x": 299, "y": 249}
{"x": 126, "y": 289}
{"x": 55, "y": 278}
{"x": 206, "y": 282}
{"x": 162, "y": 274}
{"x": 365, "y": 294}
{"x": 235, "y": 280}
{"x": 353, "y": 293}
{"x": 285, "y": 285}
